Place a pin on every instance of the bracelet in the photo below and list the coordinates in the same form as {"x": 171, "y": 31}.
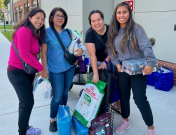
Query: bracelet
{"x": 106, "y": 62}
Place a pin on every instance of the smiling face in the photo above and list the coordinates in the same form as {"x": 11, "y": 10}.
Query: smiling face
{"x": 122, "y": 15}
{"x": 97, "y": 22}
{"x": 58, "y": 19}
{"x": 37, "y": 20}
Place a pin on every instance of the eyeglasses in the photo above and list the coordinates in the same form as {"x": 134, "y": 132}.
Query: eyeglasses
{"x": 58, "y": 16}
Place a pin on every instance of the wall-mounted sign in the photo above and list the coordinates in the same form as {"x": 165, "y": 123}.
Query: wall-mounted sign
{"x": 131, "y": 2}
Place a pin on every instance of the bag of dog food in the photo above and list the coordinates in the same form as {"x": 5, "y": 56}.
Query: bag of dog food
{"x": 89, "y": 102}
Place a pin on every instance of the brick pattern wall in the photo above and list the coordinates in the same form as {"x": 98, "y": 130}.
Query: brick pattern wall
{"x": 171, "y": 66}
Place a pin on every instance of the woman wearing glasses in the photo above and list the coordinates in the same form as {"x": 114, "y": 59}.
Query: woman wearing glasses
{"x": 60, "y": 71}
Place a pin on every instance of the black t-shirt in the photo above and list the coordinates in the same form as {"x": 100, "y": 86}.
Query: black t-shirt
{"x": 101, "y": 53}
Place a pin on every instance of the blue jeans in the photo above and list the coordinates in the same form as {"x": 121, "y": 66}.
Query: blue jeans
{"x": 60, "y": 83}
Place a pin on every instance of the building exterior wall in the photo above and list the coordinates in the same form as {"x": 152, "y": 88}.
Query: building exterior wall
{"x": 20, "y": 8}
{"x": 158, "y": 19}
{"x": 73, "y": 9}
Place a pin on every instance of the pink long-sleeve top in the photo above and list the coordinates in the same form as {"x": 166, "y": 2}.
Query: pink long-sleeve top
{"x": 28, "y": 48}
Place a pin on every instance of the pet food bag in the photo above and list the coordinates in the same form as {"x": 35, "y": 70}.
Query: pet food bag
{"x": 88, "y": 105}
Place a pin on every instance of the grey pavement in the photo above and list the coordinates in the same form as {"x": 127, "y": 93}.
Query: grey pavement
{"x": 162, "y": 104}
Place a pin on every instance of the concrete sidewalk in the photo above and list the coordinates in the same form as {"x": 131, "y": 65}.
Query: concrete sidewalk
{"x": 162, "y": 104}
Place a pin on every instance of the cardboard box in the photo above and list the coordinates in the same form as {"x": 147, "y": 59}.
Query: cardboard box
{"x": 134, "y": 66}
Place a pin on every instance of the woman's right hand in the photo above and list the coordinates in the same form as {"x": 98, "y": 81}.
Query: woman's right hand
{"x": 119, "y": 68}
{"x": 43, "y": 74}
{"x": 95, "y": 79}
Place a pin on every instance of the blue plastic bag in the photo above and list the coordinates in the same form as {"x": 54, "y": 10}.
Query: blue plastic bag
{"x": 114, "y": 93}
{"x": 79, "y": 128}
{"x": 164, "y": 80}
{"x": 63, "y": 120}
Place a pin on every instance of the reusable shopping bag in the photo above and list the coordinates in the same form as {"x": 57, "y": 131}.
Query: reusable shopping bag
{"x": 164, "y": 79}
{"x": 101, "y": 125}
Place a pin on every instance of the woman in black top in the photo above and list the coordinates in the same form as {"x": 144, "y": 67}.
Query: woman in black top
{"x": 97, "y": 51}
{"x": 95, "y": 48}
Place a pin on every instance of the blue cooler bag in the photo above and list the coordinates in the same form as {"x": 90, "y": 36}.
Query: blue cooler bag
{"x": 79, "y": 128}
{"x": 151, "y": 79}
{"x": 164, "y": 79}
{"x": 63, "y": 120}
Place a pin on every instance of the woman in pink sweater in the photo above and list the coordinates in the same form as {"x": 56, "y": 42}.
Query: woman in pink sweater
{"x": 28, "y": 36}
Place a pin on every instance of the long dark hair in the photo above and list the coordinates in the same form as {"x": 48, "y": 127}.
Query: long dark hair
{"x": 128, "y": 32}
{"x": 25, "y": 22}
{"x": 93, "y": 12}
{"x": 53, "y": 13}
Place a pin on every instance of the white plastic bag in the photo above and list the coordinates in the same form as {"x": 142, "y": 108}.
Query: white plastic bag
{"x": 47, "y": 89}
{"x": 76, "y": 43}
{"x": 35, "y": 84}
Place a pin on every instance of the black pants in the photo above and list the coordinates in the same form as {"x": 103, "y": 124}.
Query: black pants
{"x": 138, "y": 83}
{"x": 22, "y": 83}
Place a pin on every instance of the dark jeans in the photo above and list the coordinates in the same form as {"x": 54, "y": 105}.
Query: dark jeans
{"x": 60, "y": 83}
{"x": 138, "y": 83}
{"x": 22, "y": 83}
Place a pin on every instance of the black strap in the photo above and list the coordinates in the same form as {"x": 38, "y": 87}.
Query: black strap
{"x": 58, "y": 38}
{"x": 16, "y": 50}
{"x": 99, "y": 38}
{"x": 68, "y": 33}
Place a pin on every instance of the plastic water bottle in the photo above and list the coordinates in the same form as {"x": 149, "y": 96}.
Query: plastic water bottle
{"x": 76, "y": 47}
{"x": 40, "y": 80}
{"x": 63, "y": 120}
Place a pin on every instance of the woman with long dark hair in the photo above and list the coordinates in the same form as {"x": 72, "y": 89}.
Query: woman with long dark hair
{"x": 60, "y": 71}
{"x": 28, "y": 36}
{"x": 128, "y": 40}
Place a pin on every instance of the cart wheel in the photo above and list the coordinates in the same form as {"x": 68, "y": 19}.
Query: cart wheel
{"x": 80, "y": 92}
{"x": 71, "y": 87}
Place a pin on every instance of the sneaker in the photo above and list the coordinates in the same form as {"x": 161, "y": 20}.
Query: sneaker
{"x": 151, "y": 132}
{"x": 33, "y": 131}
{"x": 53, "y": 126}
{"x": 123, "y": 126}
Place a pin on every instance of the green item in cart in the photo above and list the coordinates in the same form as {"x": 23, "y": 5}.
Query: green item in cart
{"x": 88, "y": 105}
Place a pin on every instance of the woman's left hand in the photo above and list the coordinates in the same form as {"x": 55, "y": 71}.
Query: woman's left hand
{"x": 102, "y": 66}
{"x": 148, "y": 70}
{"x": 79, "y": 52}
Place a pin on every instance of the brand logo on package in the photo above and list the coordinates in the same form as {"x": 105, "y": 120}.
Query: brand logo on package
{"x": 92, "y": 88}
{"x": 131, "y": 2}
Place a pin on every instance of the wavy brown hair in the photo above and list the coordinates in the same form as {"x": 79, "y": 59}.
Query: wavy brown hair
{"x": 128, "y": 32}
{"x": 25, "y": 22}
